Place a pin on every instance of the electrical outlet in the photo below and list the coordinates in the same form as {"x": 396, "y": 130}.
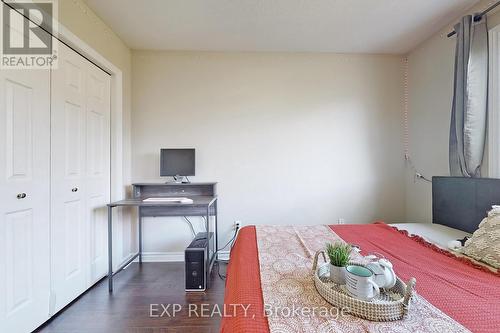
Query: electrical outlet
{"x": 236, "y": 225}
{"x": 341, "y": 221}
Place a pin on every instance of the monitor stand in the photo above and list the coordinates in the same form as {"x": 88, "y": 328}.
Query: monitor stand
{"x": 180, "y": 180}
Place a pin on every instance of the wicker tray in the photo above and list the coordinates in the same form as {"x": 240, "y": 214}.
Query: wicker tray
{"x": 390, "y": 305}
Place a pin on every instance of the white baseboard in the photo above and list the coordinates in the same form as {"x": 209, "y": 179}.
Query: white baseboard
{"x": 173, "y": 256}
{"x": 162, "y": 256}
{"x": 123, "y": 260}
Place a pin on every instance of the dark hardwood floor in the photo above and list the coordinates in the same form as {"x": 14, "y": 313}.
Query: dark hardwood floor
{"x": 127, "y": 310}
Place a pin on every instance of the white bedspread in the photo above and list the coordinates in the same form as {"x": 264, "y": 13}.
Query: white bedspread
{"x": 437, "y": 234}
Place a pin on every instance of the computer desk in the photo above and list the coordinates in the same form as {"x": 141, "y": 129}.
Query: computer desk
{"x": 204, "y": 204}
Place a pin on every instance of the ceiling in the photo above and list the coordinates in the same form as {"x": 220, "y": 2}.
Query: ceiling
{"x": 341, "y": 26}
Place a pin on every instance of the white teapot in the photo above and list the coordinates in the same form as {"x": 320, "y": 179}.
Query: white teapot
{"x": 385, "y": 277}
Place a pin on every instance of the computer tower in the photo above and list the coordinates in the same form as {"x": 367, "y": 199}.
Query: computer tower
{"x": 195, "y": 257}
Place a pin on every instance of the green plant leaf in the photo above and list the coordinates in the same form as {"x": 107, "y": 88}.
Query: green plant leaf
{"x": 339, "y": 253}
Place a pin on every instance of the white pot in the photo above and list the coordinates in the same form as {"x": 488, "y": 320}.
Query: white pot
{"x": 337, "y": 274}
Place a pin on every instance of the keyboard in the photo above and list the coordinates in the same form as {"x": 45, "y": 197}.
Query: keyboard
{"x": 169, "y": 199}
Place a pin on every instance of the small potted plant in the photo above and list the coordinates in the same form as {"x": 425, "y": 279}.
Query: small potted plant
{"x": 339, "y": 255}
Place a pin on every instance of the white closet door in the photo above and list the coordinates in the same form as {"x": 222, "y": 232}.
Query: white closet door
{"x": 24, "y": 199}
{"x": 98, "y": 167}
{"x": 69, "y": 232}
{"x": 80, "y": 175}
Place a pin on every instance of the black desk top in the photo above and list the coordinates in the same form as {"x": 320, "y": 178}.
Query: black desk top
{"x": 199, "y": 200}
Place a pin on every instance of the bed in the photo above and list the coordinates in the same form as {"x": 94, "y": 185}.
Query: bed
{"x": 453, "y": 294}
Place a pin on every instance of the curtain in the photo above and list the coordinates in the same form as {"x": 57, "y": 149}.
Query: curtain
{"x": 470, "y": 98}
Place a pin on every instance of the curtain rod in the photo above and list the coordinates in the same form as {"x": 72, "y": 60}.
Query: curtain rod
{"x": 479, "y": 16}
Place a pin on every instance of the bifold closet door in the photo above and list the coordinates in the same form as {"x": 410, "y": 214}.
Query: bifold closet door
{"x": 24, "y": 198}
{"x": 98, "y": 167}
{"x": 80, "y": 125}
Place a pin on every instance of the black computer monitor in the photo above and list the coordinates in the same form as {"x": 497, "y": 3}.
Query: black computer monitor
{"x": 177, "y": 162}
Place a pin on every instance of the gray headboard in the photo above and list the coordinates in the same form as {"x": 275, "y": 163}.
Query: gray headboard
{"x": 462, "y": 203}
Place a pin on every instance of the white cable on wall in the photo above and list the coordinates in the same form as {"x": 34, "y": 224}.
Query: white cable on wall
{"x": 406, "y": 131}
{"x": 406, "y": 128}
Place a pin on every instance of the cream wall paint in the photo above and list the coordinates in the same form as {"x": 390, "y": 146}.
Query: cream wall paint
{"x": 84, "y": 23}
{"x": 291, "y": 138}
{"x": 430, "y": 81}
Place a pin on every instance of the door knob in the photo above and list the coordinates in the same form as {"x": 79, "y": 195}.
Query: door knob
{"x": 21, "y": 195}
{"x": 74, "y": 189}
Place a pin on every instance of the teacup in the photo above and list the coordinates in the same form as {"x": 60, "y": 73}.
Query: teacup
{"x": 360, "y": 282}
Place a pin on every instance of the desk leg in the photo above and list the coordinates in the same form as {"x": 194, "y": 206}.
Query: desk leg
{"x": 207, "y": 269}
{"x": 140, "y": 235}
{"x": 110, "y": 249}
{"x": 215, "y": 232}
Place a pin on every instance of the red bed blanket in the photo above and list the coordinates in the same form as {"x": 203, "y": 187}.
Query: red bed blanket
{"x": 465, "y": 292}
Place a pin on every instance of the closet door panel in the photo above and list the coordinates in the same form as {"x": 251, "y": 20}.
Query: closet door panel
{"x": 68, "y": 162}
{"x": 24, "y": 199}
{"x": 80, "y": 175}
{"x": 98, "y": 167}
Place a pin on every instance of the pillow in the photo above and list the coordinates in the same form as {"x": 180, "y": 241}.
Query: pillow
{"x": 484, "y": 245}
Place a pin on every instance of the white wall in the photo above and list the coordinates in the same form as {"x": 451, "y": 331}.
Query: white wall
{"x": 430, "y": 96}
{"x": 291, "y": 138}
